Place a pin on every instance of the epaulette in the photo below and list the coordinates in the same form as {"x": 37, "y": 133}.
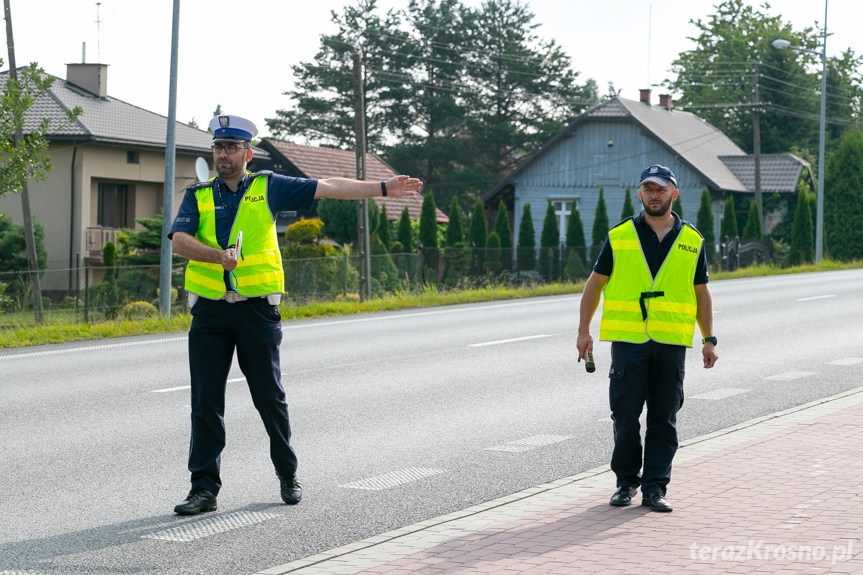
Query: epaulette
{"x": 267, "y": 173}
{"x": 198, "y": 185}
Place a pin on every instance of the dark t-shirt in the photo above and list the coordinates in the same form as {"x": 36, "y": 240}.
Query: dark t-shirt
{"x": 654, "y": 251}
{"x": 283, "y": 193}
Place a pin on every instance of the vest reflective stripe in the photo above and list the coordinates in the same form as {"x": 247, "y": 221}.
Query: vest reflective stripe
{"x": 670, "y": 317}
{"x": 259, "y": 270}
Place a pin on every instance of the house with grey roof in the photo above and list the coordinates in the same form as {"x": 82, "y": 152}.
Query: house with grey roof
{"x": 109, "y": 167}
{"x": 317, "y": 162}
{"x": 611, "y": 143}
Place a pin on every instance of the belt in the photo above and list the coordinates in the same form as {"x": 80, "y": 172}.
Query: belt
{"x": 647, "y": 295}
{"x": 234, "y": 297}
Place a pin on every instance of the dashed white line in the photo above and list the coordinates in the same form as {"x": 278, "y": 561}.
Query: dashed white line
{"x": 815, "y": 297}
{"x": 210, "y": 526}
{"x": 790, "y": 375}
{"x": 846, "y": 361}
{"x": 394, "y": 478}
{"x": 529, "y": 443}
{"x": 720, "y": 393}
{"x": 511, "y": 340}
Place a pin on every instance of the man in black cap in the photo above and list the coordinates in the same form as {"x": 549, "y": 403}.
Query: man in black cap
{"x": 653, "y": 269}
{"x": 226, "y": 228}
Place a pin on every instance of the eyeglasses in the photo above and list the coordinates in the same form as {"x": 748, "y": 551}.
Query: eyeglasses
{"x": 231, "y": 149}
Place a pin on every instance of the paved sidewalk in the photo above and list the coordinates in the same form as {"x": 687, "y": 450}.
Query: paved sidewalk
{"x": 779, "y": 494}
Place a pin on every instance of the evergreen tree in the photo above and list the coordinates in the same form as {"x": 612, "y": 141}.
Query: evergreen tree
{"x": 628, "y": 211}
{"x": 549, "y": 243}
{"x": 843, "y": 198}
{"x": 454, "y": 230}
{"x": 575, "y": 244}
{"x": 526, "y": 241}
{"x": 428, "y": 232}
{"x": 340, "y": 219}
{"x": 677, "y": 207}
{"x": 752, "y": 229}
{"x": 404, "y": 233}
{"x": 384, "y": 229}
{"x": 504, "y": 231}
{"x": 728, "y": 227}
{"x": 492, "y": 253}
{"x": 705, "y": 224}
{"x": 802, "y": 235}
{"x": 600, "y": 225}
{"x": 477, "y": 231}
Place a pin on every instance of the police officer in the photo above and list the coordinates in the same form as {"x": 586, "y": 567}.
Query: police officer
{"x": 654, "y": 272}
{"x": 226, "y": 228}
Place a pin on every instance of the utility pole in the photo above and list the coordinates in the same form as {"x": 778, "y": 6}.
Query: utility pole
{"x": 29, "y": 237}
{"x": 756, "y": 141}
{"x": 166, "y": 252}
{"x": 363, "y": 204}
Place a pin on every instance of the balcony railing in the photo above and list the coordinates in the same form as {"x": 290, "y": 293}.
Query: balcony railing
{"x": 97, "y": 237}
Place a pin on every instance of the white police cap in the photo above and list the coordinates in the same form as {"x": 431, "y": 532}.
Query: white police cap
{"x": 232, "y": 129}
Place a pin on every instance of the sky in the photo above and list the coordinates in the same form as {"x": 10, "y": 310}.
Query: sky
{"x": 239, "y": 54}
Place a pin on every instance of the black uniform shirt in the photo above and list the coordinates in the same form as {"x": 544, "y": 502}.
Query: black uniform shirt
{"x": 654, "y": 251}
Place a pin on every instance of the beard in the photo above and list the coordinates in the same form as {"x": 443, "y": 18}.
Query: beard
{"x": 659, "y": 209}
{"x": 227, "y": 167}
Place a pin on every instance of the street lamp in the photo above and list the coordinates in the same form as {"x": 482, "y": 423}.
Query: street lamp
{"x": 819, "y": 213}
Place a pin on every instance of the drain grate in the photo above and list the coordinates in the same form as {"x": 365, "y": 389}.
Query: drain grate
{"x": 211, "y": 526}
{"x": 394, "y": 478}
{"x": 529, "y": 443}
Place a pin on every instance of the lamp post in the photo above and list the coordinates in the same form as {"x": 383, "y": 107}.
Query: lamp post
{"x": 819, "y": 212}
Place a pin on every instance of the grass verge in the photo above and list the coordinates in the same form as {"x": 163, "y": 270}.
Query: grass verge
{"x": 429, "y": 296}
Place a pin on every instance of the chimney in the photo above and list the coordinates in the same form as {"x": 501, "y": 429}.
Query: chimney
{"x": 90, "y": 77}
{"x": 665, "y": 101}
{"x": 645, "y": 96}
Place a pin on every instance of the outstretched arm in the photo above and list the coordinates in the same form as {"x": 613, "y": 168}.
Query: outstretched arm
{"x": 347, "y": 189}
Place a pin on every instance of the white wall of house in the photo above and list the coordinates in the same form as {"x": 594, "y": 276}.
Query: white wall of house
{"x": 134, "y": 175}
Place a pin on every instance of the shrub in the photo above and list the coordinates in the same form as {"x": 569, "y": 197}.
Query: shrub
{"x": 138, "y": 310}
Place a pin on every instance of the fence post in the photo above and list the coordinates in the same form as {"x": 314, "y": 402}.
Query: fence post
{"x": 86, "y": 296}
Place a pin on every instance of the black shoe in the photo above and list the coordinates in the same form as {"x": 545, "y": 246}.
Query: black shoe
{"x": 292, "y": 491}
{"x": 623, "y": 496}
{"x": 656, "y": 501}
{"x": 197, "y": 501}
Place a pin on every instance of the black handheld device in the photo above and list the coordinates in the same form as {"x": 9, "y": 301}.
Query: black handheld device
{"x": 588, "y": 364}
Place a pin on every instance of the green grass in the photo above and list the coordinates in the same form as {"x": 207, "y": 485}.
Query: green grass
{"x": 23, "y": 335}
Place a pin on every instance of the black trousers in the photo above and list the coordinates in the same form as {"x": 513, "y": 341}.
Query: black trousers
{"x": 253, "y": 328}
{"x": 645, "y": 373}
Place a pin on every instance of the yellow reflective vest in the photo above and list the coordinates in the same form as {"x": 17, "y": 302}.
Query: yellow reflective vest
{"x": 259, "y": 268}
{"x": 638, "y": 307}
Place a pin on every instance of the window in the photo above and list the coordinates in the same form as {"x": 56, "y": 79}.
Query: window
{"x": 562, "y": 211}
{"x": 133, "y": 158}
{"x": 113, "y": 208}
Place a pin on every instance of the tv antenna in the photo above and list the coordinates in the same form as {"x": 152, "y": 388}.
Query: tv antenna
{"x": 98, "y": 34}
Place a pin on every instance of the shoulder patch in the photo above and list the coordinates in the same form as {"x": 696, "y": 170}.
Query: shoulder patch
{"x": 266, "y": 173}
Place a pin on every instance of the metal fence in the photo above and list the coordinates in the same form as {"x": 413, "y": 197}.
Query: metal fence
{"x": 95, "y": 294}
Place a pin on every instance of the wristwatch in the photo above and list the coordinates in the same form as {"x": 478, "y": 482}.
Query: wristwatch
{"x": 711, "y": 339}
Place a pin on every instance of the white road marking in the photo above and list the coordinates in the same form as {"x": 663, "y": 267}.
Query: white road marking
{"x": 511, "y": 340}
{"x": 92, "y": 347}
{"x": 846, "y": 361}
{"x": 167, "y": 389}
{"x": 720, "y": 393}
{"x": 790, "y": 375}
{"x": 394, "y": 478}
{"x": 210, "y": 526}
{"x": 529, "y": 443}
{"x": 182, "y": 387}
{"x": 813, "y": 298}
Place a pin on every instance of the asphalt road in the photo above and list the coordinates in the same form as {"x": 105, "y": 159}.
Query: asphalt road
{"x": 397, "y": 417}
